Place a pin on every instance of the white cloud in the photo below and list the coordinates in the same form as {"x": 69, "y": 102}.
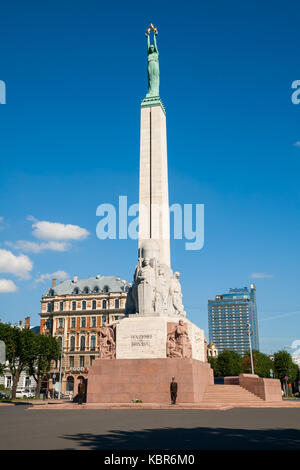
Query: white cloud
{"x": 297, "y": 144}
{"x": 60, "y": 275}
{"x": 261, "y": 276}
{"x": 34, "y": 247}
{"x": 6, "y": 285}
{"x": 55, "y": 231}
{"x": 19, "y": 265}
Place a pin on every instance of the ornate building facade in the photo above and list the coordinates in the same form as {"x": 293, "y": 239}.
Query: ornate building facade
{"x": 74, "y": 311}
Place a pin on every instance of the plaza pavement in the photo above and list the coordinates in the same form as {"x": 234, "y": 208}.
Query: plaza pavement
{"x": 176, "y": 429}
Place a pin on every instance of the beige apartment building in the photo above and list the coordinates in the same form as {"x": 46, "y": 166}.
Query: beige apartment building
{"x": 73, "y": 311}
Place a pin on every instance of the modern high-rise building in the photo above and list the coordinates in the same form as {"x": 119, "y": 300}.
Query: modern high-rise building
{"x": 228, "y": 318}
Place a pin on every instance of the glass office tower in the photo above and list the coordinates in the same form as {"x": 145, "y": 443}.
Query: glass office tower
{"x": 228, "y": 316}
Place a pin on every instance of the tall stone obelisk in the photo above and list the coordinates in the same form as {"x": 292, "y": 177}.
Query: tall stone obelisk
{"x": 156, "y": 289}
{"x": 154, "y": 220}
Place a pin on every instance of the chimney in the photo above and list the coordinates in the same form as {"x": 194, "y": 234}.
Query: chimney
{"x": 27, "y": 323}
{"x": 54, "y": 282}
{"x": 98, "y": 276}
{"x": 75, "y": 278}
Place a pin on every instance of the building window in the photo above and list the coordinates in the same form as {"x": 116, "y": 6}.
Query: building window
{"x": 104, "y": 319}
{"x": 8, "y": 382}
{"x": 72, "y": 343}
{"x": 83, "y": 322}
{"x": 27, "y": 382}
{"x": 74, "y": 305}
{"x": 93, "y": 343}
{"x": 91, "y": 359}
{"x": 105, "y": 289}
{"x": 49, "y": 307}
{"x": 71, "y": 361}
{"x": 73, "y": 322}
{"x": 93, "y": 322}
{"x": 96, "y": 289}
{"x": 86, "y": 290}
{"x": 60, "y": 323}
{"x": 82, "y": 343}
{"x": 83, "y": 305}
{"x": 61, "y": 305}
{"x": 48, "y": 324}
{"x": 117, "y": 303}
{"x": 104, "y": 304}
{"x": 76, "y": 290}
{"x": 94, "y": 305}
{"x": 81, "y": 361}
{"x": 51, "y": 293}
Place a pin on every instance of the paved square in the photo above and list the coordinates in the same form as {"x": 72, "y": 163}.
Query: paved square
{"x": 238, "y": 428}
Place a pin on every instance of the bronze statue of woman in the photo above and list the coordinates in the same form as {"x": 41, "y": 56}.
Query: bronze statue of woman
{"x": 153, "y": 66}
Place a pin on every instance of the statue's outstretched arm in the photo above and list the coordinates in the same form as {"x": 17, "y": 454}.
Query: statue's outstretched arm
{"x": 155, "y": 43}
{"x": 148, "y": 41}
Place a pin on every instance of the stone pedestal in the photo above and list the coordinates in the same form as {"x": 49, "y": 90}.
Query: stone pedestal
{"x": 124, "y": 380}
{"x": 148, "y": 337}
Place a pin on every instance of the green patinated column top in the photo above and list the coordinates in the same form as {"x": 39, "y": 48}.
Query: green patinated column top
{"x": 152, "y": 97}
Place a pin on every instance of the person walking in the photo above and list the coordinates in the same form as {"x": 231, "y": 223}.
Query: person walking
{"x": 81, "y": 391}
{"x": 173, "y": 391}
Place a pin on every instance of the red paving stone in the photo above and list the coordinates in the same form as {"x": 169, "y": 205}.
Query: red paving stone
{"x": 156, "y": 406}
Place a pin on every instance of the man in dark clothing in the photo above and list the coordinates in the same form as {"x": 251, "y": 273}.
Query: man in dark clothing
{"x": 173, "y": 391}
{"x": 81, "y": 392}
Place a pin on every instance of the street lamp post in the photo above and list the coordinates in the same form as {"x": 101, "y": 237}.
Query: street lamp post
{"x": 60, "y": 368}
{"x": 250, "y": 346}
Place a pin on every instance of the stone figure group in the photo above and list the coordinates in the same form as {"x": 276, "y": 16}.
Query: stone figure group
{"x": 178, "y": 342}
{"x": 107, "y": 342}
{"x": 155, "y": 290}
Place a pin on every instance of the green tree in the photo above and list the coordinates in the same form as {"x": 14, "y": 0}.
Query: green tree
{"x": 48, "y": 350}
{"x": 213, "y": 361}
{"x": 20, "y": 350}
{"x": 262, "y": 364}
{"x": 229, "y": 363}
{"x": 284, "y": 366}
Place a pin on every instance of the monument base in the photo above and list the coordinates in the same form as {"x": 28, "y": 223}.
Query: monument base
{"x": 148, "y": 380}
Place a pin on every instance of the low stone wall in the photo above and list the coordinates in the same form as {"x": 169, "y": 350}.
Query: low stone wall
{"x": 266, "y": 389}
{"x": 231, "y": 380}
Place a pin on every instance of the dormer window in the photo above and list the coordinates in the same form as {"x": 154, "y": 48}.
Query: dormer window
{"x": 51, "y": 293}
{"x": 76, "y": 290}
{"x": 96, "y": 289}
{"x": 86, "y": 290}
{"x": 105, "y": 289}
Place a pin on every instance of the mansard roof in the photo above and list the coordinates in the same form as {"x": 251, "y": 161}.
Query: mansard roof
{"x": 92, "y": 285}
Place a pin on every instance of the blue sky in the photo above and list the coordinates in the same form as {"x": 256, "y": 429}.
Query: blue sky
{"x": 75, "y": 74}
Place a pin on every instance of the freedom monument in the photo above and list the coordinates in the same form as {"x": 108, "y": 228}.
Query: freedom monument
{"x": 155, "y": 341}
